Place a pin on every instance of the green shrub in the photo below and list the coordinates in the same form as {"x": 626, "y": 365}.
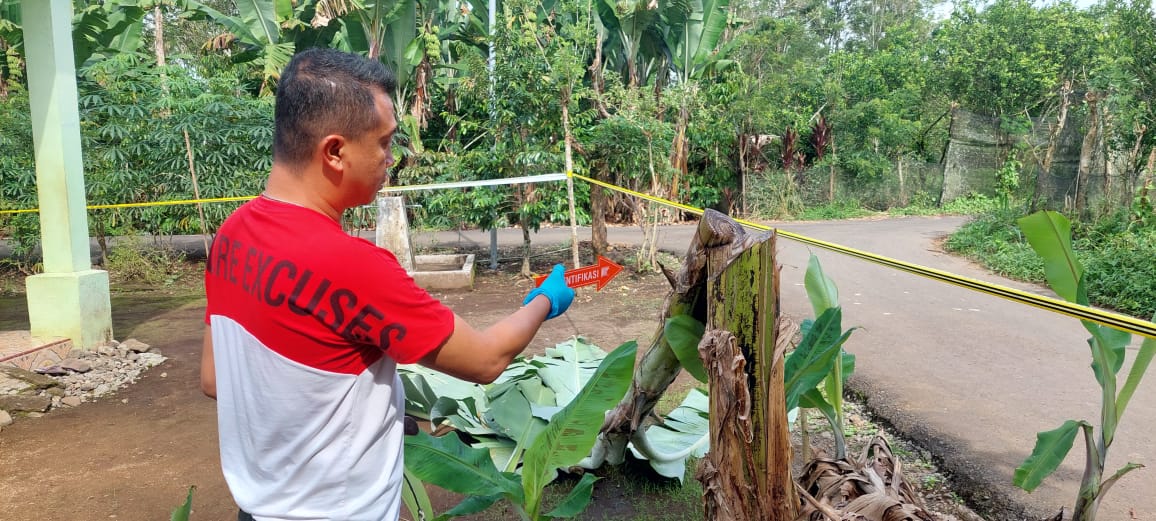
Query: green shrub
{"x": 994, "y": 240}
{"x": 840, "y": 209}
{"x": 972, "y": 204}
{"x": 1117, "y": 258}
{"x": 132, "y": 259}
{"x": 1121, "y": 273}
{"x": 774, "y": 196}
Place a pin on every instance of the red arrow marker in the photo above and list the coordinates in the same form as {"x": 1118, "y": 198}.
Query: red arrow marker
{"x": 599, "y": 274}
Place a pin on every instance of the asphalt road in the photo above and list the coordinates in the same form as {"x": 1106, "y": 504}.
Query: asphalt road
{"x": 971, "y": 377}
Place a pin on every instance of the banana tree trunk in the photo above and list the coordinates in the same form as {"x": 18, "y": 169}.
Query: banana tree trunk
{"x": 747, "y": 473}
{"x": 718, "y": 240}
{"x": 525, "y": 251}
{"x": 679, "y": 151}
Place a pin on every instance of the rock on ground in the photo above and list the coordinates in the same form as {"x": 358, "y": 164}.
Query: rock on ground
{"x": 85, "y": 375}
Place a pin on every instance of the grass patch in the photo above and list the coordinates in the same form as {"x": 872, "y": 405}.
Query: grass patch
{"x": 841, "y": 209}
{"x": 133, "y": 260}
{"x": 994, "y": 240}
{"x": 1117, "y": 258}
{"x": 971, "y": 204}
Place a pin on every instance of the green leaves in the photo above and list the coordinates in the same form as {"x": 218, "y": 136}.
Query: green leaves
{"x": 507, "y": 416}
{"x": 182, "y": 512}
{"x": 567, "y": 366}
{"x": 448, "y": 463}
{"x": 819, "y": 357}
{"x": 1050, "y": 450}
{"x": 684, "y": 333}
{"x": 508, "y": 422}
{"x": 577, "y": 500}
{"x": 821, "y": 290}
{"x": 1139, "y": 367}
{"x": 572, "y": 431}
{"x": 260, "y": 19}
{"x": 706, "y": 29}
{"x": 684, "y": 433}
{"x": 1050, "y": 235}
{"x": 813, "y": 359}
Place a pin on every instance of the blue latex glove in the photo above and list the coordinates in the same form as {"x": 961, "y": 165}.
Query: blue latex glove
{"x": 555, "y": 289}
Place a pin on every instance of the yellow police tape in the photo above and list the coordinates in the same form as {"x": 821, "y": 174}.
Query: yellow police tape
{"x": 1114, "y": 320}
{"x": 141, "y": 205}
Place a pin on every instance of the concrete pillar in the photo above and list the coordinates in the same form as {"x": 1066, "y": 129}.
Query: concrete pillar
{"x": 70, "y": 299}
{"x": 393, "y": 230}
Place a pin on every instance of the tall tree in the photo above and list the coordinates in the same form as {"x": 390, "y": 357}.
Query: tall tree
{"x": 1012, "y": 56}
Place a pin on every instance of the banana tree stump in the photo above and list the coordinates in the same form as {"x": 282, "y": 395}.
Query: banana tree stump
{"x": 747, "y": 473}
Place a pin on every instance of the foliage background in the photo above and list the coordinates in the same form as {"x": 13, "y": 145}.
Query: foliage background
{"x": 761, "y": 108}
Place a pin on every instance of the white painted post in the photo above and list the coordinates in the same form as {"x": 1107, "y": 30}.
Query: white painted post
{"x": 393, "y": 230}
{"x": 70, "y": 299}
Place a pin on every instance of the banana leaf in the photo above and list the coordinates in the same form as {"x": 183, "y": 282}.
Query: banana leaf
{"x": 1050, "y": 450}
{"x": 684, "y": 333}
{"x": 571, "y": 433}
{"x": 821, "y": 289}
{"x": 577, "y": 500}
{"x": 813, "y": 359}
{"x": 567, "y": 367}
{"x": 1050, "y": 235}
{"x": 451, "y": 464}
{"x": 684, "y": 433}
{"x": 182, "y": 512}
{"x": 506, "y": 416}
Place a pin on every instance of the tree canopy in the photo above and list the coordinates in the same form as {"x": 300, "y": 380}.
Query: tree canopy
{"x": 700, "y": 101}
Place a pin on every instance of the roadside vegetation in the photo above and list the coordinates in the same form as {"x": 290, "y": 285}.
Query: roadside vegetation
{"x": 1116, "y": 250}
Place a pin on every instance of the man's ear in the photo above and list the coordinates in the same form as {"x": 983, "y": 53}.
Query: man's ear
{"x": 330, "y": 150}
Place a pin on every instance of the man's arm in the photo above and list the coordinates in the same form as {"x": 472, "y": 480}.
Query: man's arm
{"x": 481, "y": 356}
{"x": 208, "y": 371}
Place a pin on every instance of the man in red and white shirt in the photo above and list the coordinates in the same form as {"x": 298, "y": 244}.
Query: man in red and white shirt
{"x": 305, "y": 324}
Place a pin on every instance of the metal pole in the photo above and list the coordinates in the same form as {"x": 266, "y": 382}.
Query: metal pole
{"x": 570, "y": 194}
{"x": 493, "y": 7}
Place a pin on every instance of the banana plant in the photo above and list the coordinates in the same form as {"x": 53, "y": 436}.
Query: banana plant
{"x": 11, "y": 41}
{"x": 449, "y": 463}
{"x": 631, "y": 35}
{"x": 1049, "y": 234}
{"x": 693, "y": 32}
{"x": 685, "y": 432}
{"x": 258, "y": 31}
{"x": 813, "y": 362}
{"x": 824, "y": 297}
{"x": 108, "y": 28}
{"x": 508, "y": 415}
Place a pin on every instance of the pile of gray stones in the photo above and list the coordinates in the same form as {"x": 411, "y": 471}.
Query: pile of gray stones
{"x": 86, "y": 374}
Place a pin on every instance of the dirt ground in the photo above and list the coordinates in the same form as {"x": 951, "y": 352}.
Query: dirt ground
{"x": 132, "y": 455}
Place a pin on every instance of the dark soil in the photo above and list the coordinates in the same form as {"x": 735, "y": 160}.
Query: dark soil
{"x": 133, "y": 455}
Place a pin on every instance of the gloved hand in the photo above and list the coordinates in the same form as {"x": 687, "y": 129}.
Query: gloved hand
{"x": 555, "y": 289}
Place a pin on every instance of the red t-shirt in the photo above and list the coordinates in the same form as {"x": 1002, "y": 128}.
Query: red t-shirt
{"x": 316, "y": 295}
{"x": 309, "y": 405}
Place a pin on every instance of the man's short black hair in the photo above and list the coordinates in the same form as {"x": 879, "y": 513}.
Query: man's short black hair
{"x": 322, "y": 92}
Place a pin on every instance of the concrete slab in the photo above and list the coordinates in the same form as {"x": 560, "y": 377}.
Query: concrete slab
{"x": 444, "y": 271}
